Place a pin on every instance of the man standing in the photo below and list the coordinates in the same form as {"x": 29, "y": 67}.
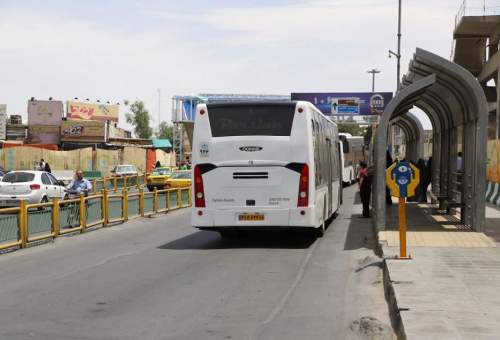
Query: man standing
{"x": 365, "y": 188}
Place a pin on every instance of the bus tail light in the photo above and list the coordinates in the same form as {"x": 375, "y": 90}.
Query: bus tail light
{"x": 199, "y": 193}
{"x": 303, "y": 199}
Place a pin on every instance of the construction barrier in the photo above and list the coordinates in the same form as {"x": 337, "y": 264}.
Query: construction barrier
{"x": 28, "y": 223}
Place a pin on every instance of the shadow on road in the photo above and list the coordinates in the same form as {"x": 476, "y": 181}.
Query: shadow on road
{"x": 289, "y": 239}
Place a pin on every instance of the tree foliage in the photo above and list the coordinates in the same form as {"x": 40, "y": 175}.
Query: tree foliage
{"x": 166, "y": 131}
{"x": 139, "y": 118}
{"x": 356, "y": 130}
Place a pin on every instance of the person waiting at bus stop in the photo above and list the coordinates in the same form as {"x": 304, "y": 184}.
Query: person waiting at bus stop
{"x": 79, "y": 185}
{"x": 365, "y": 187}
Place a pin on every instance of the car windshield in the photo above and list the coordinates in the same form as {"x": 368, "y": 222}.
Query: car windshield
{"x": 162, "y": 171}
{"x": 179, "y": 175}
{"x": 18, "y": 177}
{"x": 125, "y": 168}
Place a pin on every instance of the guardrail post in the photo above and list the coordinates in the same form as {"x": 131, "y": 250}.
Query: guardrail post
{"x": 115, "y": 183}
{"x": 55, "y": 217}
{"x": 190, "y": 198}
{"x": 82, "y": 213}
{"x": 137, "y": 182}
{"x": 94, "y": 185}
{"x": 167, "y": 200}
{"x": 179, "y": 198}
{"x": 141, "y": 202}
{"x": 124, "y": 181}
{"x": 155, "y": 200}
{"x": 104, "y": 207}
{"x": 23, "y": 223}
{"x": 125, "y": 204}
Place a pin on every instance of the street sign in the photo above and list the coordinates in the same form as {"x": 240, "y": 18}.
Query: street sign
{"x": 402, "y": 178}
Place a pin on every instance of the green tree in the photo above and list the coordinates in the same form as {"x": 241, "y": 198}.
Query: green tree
{"x": 139, "y": 118}
{"x": 165, "y": 131}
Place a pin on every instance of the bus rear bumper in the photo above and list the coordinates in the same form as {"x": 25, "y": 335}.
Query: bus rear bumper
{"x": 295, "y": 217}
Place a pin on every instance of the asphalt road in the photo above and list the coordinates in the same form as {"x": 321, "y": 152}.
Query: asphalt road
{"x": 158, "y": 278}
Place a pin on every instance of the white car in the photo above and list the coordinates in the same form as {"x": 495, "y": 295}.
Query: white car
{"x": 124, "y": 170}
{"x": 32, "y": 186}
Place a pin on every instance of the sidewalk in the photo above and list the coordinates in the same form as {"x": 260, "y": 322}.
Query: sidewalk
{"x": 449, "y": 290}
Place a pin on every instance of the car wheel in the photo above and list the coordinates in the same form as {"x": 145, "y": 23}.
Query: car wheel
{"x": 43, "y": 200}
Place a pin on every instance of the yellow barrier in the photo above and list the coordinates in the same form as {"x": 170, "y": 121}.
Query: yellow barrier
{"x": 104, "y": 197}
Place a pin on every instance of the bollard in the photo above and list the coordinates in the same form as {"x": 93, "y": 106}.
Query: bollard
{"x": 155, "y": 200}
{"x": 23, "y": 223}
{"x": 125, "y": 204}
{"x": 82, "y": 213}
{"x": 55, "y": 217}
{"x": 402, "y": 228}
{"x": 141, "y": 202}
{"x": 104, "y": 207}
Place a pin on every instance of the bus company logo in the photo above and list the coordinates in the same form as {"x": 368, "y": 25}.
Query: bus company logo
{"x": 250, "y": 148}
{"x": 377, "y": 104}
{"x": 204, "y": 150}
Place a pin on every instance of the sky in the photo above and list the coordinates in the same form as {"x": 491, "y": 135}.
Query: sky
{"x": 120, "y": 50}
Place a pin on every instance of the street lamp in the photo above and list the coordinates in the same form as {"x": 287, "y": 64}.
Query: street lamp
{"x": 373, "y": 73}
{"x": 398, "y": 54}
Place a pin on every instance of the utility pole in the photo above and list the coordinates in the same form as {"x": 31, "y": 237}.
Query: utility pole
{"x": 159, "y": 109}
{"x": 373, "y": 73}
{"x": 398, "y": 54}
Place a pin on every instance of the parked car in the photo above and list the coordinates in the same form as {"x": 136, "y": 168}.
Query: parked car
{"x": 179, "y": 179}
{"x": 124, "y": 170}
{"x": 32, "y": 186}
{"x": 158, "y": 179}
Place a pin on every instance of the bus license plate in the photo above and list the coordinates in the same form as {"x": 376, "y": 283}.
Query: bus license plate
{"x": 251, "y": 217}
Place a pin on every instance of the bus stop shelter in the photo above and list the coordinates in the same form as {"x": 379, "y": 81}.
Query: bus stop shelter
{"x": 457, "y": 108}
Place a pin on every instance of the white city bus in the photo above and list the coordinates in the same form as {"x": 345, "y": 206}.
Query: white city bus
{"x": 353, "y": 151}
{"x": 261, "y": 164}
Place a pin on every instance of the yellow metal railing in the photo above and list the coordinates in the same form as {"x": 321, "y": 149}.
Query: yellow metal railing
{"x": 76, "y": 212}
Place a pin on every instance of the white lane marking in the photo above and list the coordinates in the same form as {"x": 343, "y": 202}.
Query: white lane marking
{"x": 298, "y": 277}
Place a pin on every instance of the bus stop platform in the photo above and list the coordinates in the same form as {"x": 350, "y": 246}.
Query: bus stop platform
{"x": 427, "y": 227}
{"x": 449, "y": 288}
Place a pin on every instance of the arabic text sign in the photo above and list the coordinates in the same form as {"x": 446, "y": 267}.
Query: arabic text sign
{"x": 83, "y": 130}
{"x": 88, "y": 111}
{"x": 45, "y": 112}
{"x": 349, "y": 103}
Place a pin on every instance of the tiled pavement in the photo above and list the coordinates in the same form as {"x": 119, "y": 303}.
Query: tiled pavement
{"x": 447, "y": 291}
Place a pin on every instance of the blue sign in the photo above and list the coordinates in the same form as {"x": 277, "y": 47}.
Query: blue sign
{"x": 347, "y": 104}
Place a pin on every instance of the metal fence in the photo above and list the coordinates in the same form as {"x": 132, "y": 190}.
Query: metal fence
{"x": 34, "y": 222}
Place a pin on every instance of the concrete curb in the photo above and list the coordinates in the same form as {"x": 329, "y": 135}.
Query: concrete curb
{"x": 390, "y": 295}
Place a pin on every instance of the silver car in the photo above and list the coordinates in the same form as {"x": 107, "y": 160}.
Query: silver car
{"x": 124, "y": 170}
{"x": 32, "y": 186}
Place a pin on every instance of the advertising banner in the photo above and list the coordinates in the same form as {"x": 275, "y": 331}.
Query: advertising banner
{"x": 43, "y": 134}
{"x": 45, "y": 112}
{"x": 3, "y": 121}
{"x": 89, "y": 111}
{"x": 83, "y": 131}
{"x": 493, "y": 166}
{"x": 348, "y": 103}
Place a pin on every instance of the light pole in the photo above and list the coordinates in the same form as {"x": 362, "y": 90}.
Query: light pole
{"x": 373, "y": 73}
{"x": 398, "y": 54}
{"x": 159, "y": 109}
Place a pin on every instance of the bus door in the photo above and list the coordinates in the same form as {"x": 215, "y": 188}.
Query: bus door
{"x": 330, "y": 175}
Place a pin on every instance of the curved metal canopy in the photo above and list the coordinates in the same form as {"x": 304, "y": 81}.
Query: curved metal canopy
{"x": 457, "y": 108}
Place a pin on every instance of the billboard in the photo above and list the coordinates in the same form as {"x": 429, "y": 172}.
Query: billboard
{"x": 348, "y": 103}
{"x": 43, "y": 134}
{"x": 3, "y": 121}
{"x": 88, "y": 111}
{"x": 45, "y": 112}
{"x": 83, "y": 131}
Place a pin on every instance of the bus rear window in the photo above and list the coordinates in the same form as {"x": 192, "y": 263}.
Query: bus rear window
{"x": 251, "y": 120}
